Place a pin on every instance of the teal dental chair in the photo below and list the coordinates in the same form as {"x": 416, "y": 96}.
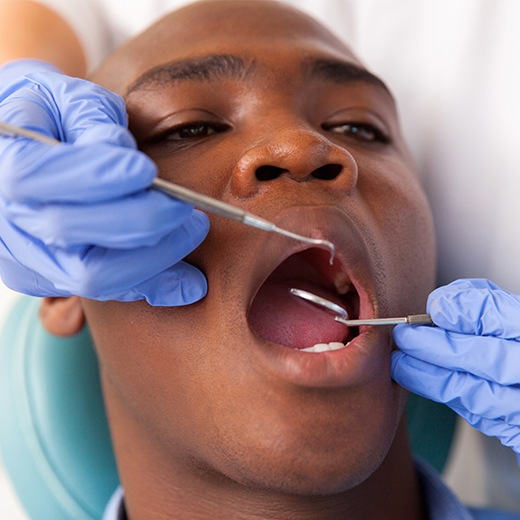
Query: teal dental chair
{"x": 54, "y": 439}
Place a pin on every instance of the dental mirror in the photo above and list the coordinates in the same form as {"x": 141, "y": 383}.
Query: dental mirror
{"x": 341, "y": 315}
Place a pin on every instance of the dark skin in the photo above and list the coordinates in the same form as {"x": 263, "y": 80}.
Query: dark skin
{"x": 211, "y": 418}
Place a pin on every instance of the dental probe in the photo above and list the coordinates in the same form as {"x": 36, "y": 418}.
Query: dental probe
{"x": 198, "y": 200}
{"x": 412, "y": 319}
{"x": 341, "y": 314}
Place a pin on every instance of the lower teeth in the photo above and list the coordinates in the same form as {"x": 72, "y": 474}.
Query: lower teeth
{"x": 325, "y": 347}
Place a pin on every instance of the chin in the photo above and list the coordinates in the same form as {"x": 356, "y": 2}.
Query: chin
{"x": 325, "y": 448}
{"x": 300, "y": 475}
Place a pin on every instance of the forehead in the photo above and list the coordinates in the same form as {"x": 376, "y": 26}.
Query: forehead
{"x": 261, "y": 33}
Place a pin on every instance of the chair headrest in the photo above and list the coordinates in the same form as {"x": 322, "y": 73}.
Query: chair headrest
{"x": 54, "y": 437}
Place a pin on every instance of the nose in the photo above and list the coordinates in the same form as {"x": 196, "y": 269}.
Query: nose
{"x": 301, "y": 155}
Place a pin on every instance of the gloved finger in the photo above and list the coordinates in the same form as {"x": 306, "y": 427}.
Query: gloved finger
{"x": 78, "y": 102}
{"x": 181, "y": 284}
{"x": 487, "y": 357}
{"x": 39, "y": 173}
{"x": 508, "y": 434}
{"x": 107, "y": 133}
{"x": 139, "y": 220}
{"x": 22, "y": 279}
{"x": 476, "y": 307}
{"x": 27, "y": 110}
{"x": 461, "y": 391}
{"x": 96, "y": 272}
{"x": 104, "y": 274}
{"x": 87, "y": 103}
{"x": 466, "y": 283}
{"x": 30, "y": 113}
{"x": 42, "y": 100}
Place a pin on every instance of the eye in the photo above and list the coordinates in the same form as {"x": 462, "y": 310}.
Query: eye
{"x": 364, "y": 132}
{"x": 190, "y": 131}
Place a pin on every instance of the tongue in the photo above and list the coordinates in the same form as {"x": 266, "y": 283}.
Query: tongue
{"x": 281, "y": 318}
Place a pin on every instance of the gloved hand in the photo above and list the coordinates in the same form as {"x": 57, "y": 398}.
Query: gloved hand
{"x": 471, "y": 361}
{"x": 77, "y": 218}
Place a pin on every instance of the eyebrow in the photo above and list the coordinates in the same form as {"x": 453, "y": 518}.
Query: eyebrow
{"x": 220, "y": 66}
{"x": 205, "y": 69}
{"x": 341, "y": 72}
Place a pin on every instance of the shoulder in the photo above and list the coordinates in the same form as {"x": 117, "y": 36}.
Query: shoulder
{"x": 442, "y": 504}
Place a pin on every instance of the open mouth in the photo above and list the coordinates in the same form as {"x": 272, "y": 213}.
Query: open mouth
{"x": 278, "y": 317}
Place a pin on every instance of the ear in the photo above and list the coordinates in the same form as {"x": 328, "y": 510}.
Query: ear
{"x": 62, "y": 316}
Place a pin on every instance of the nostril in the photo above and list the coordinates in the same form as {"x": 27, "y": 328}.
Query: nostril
{"x": 268, "y": 172}
{"x": 327, "y": 172}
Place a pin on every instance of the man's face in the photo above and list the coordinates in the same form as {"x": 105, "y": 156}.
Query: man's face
{"x": 262, "y": 108}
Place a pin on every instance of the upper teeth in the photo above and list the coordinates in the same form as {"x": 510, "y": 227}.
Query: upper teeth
{"x": 342, "y": 282}
{"x": 324, "y": 347}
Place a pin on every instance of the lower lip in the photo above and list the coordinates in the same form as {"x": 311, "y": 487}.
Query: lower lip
{"x": 357, "y": 363}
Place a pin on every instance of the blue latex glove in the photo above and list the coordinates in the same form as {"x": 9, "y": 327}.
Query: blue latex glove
{"x": 78, "y": 219}
{"x": 472, "y": 361}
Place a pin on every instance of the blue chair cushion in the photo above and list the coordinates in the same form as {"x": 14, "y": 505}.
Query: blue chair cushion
{"x": 53, "y": 431}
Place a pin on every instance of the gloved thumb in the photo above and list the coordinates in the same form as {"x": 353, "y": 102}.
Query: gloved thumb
{"x": 476, "y": 306}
